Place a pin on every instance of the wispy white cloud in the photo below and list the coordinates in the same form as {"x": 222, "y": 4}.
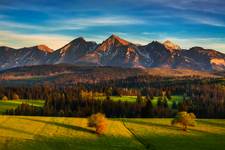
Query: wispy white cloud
{"x": 18, "y": 40}
{"x": 102, "y": 21}
{"x": 75, "y": 23}
{"x": 19, "y": 25}
{"x": 28, "y": 6}
{"x": 2, "y": 16}
{"x": 208, "y": 6}
{"x": 11, "y": 24}
{"x": 205, "y": 20}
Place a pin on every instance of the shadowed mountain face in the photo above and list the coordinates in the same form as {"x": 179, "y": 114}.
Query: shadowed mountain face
{"x": 71, "y": 52}
{"x": 27, "y": 56}
{"x": 115, "y": 51}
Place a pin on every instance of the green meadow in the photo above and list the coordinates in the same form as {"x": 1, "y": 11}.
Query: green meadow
{"x": 12, "y": 104}
{"x": 158, "y": 134}
{"x": 59, "y": 133}
{"x": 176, "y": 98}
{"x": 118, "y": 98}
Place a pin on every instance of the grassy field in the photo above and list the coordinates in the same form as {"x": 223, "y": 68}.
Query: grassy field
{"x": 176, "y": 98}
{"x": 158, "y": 134}
{"x": 117, "y": 98}
{"x": 36, "y": 133}
{"x": 12, "y": 104}
{"x": 49, "y": 133}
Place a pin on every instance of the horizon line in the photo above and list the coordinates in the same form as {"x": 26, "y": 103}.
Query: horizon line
{"x": 90, "y": 40}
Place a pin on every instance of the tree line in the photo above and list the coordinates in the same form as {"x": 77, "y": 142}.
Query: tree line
{"x": 206, "y": 99}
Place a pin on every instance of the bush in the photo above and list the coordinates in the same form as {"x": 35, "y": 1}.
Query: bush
{"x": 15, "y": 96}
{"x": 185, "y": 119}
{"x": 4, "y": 98}
{"x": 99, "y": 122}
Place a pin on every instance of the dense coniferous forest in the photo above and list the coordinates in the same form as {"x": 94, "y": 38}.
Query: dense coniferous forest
{"x": 204, "y": 97}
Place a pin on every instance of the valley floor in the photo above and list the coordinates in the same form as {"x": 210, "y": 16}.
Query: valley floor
{"x": 58, "y": 133}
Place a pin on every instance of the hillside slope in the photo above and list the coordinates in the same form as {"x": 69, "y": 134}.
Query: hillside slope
{"x": 49, "y": 133}
{"x": 70, "y": 74}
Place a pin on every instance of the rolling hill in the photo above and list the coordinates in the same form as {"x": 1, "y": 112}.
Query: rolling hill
{"x": 58, "y": 133}
{"x": 71, "y": 74}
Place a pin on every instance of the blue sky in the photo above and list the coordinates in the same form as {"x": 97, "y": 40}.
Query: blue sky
{"x": 56, "y": 22}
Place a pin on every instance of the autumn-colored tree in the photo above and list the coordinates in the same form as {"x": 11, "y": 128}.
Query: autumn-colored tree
{"x": 4, "y": 98}
{"x": 185, "y": 119}
{"x": 99, "y": 122}
{"x": 15, "y": 96}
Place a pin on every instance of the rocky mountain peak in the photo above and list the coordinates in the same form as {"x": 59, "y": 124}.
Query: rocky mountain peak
{"x": 112, "y": 42}
{"x": 156, "y": 46}
{"x": 74, "y": 44}
{"x": 43, "y": 48}
{"x": 116, "y": 38}
{"x": 171, "y": 46}
{"x": 78, "y": 40}
{"x": 115, "y": 51}
{"x": 6, "y": 48}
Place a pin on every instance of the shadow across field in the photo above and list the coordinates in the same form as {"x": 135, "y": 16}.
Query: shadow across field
{"x": 221, "y": 125}
{"x": 174, "y": 128}
{"x": 15, "y": 130}
{"x": 197, "y": 138}
{"x": 78, "y": 143}
{"x": 152, "y": 124}
{"x": 73, "y": 127}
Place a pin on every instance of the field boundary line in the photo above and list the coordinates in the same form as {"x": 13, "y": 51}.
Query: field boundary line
{"x": 139, "y": 139}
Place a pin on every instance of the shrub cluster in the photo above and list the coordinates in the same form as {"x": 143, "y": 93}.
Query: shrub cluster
{"x": 98, "y": 121}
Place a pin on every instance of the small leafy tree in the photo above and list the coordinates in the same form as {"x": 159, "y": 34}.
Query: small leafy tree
{"x": 15, "y": 96}
{"x": 4, "y": 98}
{"x": 99, "y": 122}
{"x": 185, "y": 119}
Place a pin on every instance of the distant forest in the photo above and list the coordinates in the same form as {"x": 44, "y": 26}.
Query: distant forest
{"x": 204, "y": 97}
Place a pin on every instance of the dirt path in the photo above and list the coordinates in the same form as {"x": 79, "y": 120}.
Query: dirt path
{"x": 138, "y": 138}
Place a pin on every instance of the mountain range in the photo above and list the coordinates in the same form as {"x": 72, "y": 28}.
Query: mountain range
{"x": 115, "y": 51}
